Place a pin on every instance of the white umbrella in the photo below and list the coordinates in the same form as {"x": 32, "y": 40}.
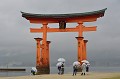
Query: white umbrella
{"x": 59, "y": 64}
{"x": 61, "y": 60}
{"x": 76, "y": 63}
{"x": 34, "y": 69}
{"x": 85, "y": 61}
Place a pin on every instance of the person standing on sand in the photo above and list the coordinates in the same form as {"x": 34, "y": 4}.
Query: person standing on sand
{"x": 87, "y": 68}
{"x": 83, "y": 67}
{"x": 74, "y": 70}
{"x": 62, "y": 68}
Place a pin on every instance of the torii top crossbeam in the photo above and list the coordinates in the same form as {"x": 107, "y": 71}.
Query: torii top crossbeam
{"x": 68, "y": 18}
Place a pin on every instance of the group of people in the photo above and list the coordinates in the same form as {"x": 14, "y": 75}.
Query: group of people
{"x": 76, "y": 66}
{"x": 84, "y": 67}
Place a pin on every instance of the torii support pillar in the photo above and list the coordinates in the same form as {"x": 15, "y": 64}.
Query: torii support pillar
{"x": 44, "y": 68}
{"x": 48, "y": 59}
{"x": 41, "y": 67}
{"x": 80, "y": 48}
{"x": 85, "y": 50}
{"x": 38, "y": 57}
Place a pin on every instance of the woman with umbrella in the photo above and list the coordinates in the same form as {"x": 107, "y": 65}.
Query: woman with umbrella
{"x": 76, "y": 64}
{"x": 62, "y": 60}
{"x": 83, "y": 67}
{"x": 87, "y": 64}
{"x": 59, "y": 67}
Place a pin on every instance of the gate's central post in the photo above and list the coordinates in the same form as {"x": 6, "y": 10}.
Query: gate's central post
{"x": 80, "y": 27}
{"x": 85, "y": 50}
{"x": 48, "y": 58}
{"x": 80, "y": 43}
{"x": 45, "y": 69}
{"x": 44, "y": 43}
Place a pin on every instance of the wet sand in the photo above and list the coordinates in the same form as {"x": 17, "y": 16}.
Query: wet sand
{"x": 90, "y": 75}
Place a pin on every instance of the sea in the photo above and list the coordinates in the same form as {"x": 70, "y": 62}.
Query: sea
{"x": 53, "y": 70}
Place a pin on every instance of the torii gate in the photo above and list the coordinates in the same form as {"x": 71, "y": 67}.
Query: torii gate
{"x": 42, "y": 53}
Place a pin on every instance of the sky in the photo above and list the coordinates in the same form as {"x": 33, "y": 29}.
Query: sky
{"x": 17, "y": 44}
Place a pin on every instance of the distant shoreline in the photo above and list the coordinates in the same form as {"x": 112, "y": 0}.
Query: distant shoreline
{"x": 11, "y": 69}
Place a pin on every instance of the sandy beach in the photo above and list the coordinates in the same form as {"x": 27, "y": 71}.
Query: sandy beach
{"x": 90, "y": 75}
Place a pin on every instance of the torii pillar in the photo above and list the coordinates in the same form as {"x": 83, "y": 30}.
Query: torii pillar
{"x": 80, "y": 47}
{"x": 38, "y": 56}
{"x": 48, "y": 58}
{"x": 42, "y": 59}
{"x": 85, "y": 50}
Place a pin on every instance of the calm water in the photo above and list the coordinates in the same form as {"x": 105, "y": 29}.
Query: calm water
{"x": 54, "y": 70}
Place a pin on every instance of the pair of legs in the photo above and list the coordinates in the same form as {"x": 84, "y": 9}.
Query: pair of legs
{"x": 61, "y": 71}
{"x": 58, "y": 71}
{"x": 82, "y": 73}
{"x": 74, "y": 72}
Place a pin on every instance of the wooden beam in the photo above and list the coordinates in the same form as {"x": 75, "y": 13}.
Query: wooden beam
{"x": 68, "y": 20}
{"x": 91, "y": 28}
{"x": 36, "y": 30}
{"x": 40, "y": 30}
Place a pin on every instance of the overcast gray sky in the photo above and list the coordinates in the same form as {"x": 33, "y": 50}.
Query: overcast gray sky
{"x": 17, "y": 44}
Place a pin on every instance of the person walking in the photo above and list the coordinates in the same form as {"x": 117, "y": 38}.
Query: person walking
{"x": 75, "y": 70}
{"x": 83, "y": 67}
{"x": 87, "y": 68}
{"x": 62, "y": 68}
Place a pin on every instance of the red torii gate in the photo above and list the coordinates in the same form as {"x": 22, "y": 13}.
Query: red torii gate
{"x": 42, "y": 54}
